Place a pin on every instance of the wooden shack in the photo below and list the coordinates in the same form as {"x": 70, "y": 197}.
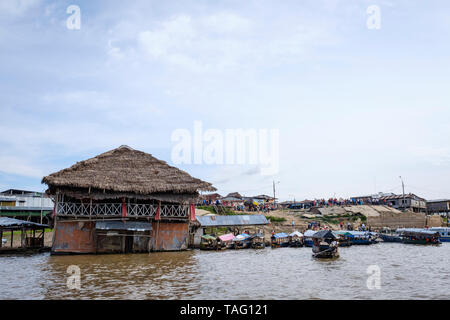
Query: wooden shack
{"x": 122, "y": 201}
{"x": 31, "y": 235}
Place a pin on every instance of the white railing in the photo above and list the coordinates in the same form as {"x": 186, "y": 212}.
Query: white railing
{"x": 115, "y": 209}
{"x": 174, "y": 211}
{"x": 142, "y": 210}
{"x": 79, "y": 209}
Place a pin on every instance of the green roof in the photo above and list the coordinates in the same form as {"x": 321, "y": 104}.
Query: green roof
{"x": 23, "y": 213}
{"x": 209, "y": 237}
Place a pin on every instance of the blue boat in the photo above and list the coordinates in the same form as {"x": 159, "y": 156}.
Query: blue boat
{"x": 280, "y": 240}
{"x": 444, "y": 233}
{"x": 361, "y": 238}
{"x": 308, "y": 241}
{"x": 419, "y": 236}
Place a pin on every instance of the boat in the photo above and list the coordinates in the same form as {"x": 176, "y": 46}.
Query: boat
{"x": 444, "y": 233}
{"x": 419, "y": 236}
{"x": 280, "y": 240}
{"x": 296, "y": 239}
{"x": 325, "y": 245}
{"x": 242, "y": 241}
{"x": 386, "y": 235}
{"x": 209, "y": 242}
{"x": 257, "y": 241}
{"x": 344, "y": 238}
{"x": 307, "y": 238}
{"x": 226, "y": 241}
{"x": 361, "y": 238}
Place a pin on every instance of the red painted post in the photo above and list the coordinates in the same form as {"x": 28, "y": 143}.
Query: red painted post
{"x": 192, "y": 209}
{"x": 158, "y": 211}
{"x": 124, "y": 208}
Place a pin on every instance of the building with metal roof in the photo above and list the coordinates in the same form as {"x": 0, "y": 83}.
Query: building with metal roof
{"x": 232, "y": 220}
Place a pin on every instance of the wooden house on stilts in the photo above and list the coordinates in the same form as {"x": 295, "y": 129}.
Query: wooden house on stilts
{"x": 122, "y": 201}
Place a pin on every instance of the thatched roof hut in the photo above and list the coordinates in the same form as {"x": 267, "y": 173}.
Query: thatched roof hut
{"x": 125, "y": 172}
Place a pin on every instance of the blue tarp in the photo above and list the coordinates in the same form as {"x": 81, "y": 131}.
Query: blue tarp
{"x": 235, "y": 220}
{"x": 280, "y": 235}
{"x": 242, "y": 236}
{"x": 309, "y": 233}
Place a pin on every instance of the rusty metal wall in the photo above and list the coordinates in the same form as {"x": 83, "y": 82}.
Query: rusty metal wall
{"x": 170, "y": 236}
{"x": 109, "y": 244}
{"x": 74, "y": 237}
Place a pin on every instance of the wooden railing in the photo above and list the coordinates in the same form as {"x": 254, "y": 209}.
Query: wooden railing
{"x": 115, "y": 210}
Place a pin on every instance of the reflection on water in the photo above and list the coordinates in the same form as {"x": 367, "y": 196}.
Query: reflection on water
{"x": 407, "y": 272}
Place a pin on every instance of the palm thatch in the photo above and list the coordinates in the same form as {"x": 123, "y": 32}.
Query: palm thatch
{"x": 125, "y": 171}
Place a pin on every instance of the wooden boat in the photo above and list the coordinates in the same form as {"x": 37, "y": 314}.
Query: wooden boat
{"x": 419, "y": 236}
{"x": 325, "y": 245}
{"x": 307, "y": 238}
{"x": 296, "y": 239}
{"x": 209, "y": 242}
{"x": 361, "y": 238}
{"x": 242, "y": 241}
{"x": 444, "y": 233}
{"x": 257, "y": 241}
{"x": 386, "y": 235}
{"x": 280, "y": 240}
{"x": 344, "y": 238}
{"x": 226, "y": 240}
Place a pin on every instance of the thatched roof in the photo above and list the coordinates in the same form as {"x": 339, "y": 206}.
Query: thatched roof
{"x": 125, "y": 170}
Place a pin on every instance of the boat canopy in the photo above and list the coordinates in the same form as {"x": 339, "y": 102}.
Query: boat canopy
{"x": 324, "y": 234}
{"x": 296, "y": 234}
{"x": 241, "y": 237}
{"x": 208, "y": 237}
{"x": 418, "y": 232}
{"x": 227, "y": 237}
{"x": 342, "y": 233}
{"x": 257, "y": 235}
{"x": 359, "y": 233}
{"x": 309, "y": 233}
{"x": 280, "y": 235}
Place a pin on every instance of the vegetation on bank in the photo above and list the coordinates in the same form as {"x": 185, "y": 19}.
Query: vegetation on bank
{"x": 18, "y": 232}
{"x": 336, "y": 219}
{"x": 275, "y": 219}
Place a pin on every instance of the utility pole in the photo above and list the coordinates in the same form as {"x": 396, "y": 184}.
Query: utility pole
{"x": 274, "y": 201}
{"x": 403, "y": 187}
{"x": 42, "y": 195}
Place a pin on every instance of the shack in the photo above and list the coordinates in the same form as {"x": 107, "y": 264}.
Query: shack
{"x": 232, "y": 223}
{"x": 122, "y": 201}
{"x": 31, "y": 235}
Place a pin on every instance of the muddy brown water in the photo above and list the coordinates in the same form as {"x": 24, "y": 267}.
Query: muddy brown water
{"x": 407, "y": 272}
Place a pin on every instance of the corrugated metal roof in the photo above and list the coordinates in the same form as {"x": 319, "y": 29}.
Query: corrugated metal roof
{"x": 11, "y": 223}
{"x": 121, "y": 225}
{"x": 235, "y": 220}
{"x": 438, "y": 200}
{"x": 22, "y": 208}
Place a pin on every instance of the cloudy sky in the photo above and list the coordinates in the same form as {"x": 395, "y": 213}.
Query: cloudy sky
{"x": 355, "y": 107}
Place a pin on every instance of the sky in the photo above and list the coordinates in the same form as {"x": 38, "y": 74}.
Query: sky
{"x": 355, "y": 107}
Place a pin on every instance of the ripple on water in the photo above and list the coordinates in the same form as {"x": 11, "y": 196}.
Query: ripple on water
{"x": 407, "y": 272}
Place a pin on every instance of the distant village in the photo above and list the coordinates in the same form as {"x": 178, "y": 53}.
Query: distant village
{"x": 38, "y": 206}
{"x": 407, "y": 202}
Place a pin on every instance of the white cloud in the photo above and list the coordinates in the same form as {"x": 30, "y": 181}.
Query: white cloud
{"x": 14, "y": 8}
{"x": 17, "y": 166}
{"x": 227, "y": 41}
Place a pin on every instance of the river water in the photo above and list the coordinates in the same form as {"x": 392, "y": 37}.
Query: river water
{"x": 406, "y": 272}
